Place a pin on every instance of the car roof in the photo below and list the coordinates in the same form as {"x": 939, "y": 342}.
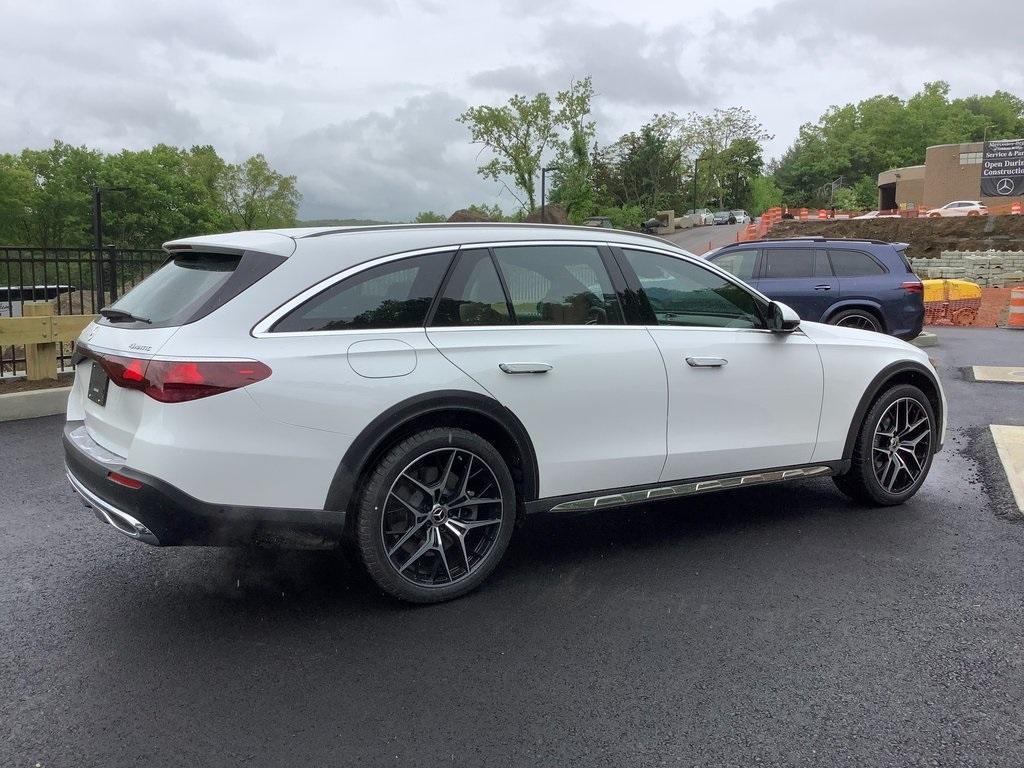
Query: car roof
{"x": 396, "y": 237}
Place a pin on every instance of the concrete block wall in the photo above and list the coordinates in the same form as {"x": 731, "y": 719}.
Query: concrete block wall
{"x": 989, "y": 269}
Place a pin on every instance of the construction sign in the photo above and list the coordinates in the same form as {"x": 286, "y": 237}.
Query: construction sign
{"x": 1002, "y": 168}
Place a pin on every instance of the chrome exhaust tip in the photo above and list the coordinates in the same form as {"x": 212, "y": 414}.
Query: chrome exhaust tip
{"x": 119, "y": 520}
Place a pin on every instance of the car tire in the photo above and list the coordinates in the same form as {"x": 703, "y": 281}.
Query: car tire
{"x": 863, "y": 319}
{"x": 423, "y": 532}
{"x": 887, "y": 469}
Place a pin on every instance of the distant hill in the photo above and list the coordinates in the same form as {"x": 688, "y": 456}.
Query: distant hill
{"x": 340, "y": 222}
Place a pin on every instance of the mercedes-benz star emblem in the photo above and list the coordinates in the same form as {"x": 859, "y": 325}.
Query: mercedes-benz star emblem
{"x": 1005, "y": 186}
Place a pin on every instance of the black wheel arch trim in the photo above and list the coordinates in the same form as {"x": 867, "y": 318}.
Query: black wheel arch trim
{"x": 383, "y": 427}
{"x": 863, "y": 304}
{"x": 877, "y": 385}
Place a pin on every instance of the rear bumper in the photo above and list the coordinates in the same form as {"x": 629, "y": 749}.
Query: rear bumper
{"x": 158, "y": 513}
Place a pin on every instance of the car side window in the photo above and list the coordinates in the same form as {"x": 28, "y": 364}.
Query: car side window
{"x": 683, "y": 293}
{"x": 393, "y": 295}
{"x": 473, "y": 294}
{"x": 740, "y": 262}
{"x": 822, "y": 267}
{"x": 788, "y": 262}
{"x": 854, "y": 264}
{"x": 558, "y": 285}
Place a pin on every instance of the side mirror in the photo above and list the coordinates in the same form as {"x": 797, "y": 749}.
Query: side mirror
{"x": 781, "y": 318}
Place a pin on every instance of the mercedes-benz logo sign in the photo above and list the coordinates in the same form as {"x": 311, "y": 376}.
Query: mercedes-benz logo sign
{"x": 1005, "y": 186}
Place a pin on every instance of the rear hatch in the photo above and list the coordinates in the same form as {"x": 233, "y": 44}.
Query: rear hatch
{"x": 116, "y": 377}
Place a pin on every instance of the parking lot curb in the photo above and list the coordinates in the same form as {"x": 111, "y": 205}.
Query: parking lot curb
{"x": 925, "y": 339}
{"x": 30, "y": 405}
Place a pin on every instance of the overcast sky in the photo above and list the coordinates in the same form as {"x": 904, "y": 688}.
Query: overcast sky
{"x": 358, "y": 98}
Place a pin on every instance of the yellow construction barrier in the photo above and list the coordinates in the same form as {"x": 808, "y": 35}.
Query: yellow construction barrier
{"x": 951, "y": 302}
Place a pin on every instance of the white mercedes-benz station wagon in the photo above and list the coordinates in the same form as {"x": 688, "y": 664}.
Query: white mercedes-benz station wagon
{"x": 415, "y": 390}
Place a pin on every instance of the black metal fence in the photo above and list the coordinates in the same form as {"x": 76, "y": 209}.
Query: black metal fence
{"x": 73, "y": 278}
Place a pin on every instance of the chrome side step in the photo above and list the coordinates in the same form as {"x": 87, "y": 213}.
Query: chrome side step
{"x": 689, "y": 489}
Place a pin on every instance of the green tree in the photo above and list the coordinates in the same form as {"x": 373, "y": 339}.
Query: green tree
{"x": 59, "y": 201}
{"x": 858, "y": 141}
{"x": 764, "y": 194}
{"x": 517, "y": 134}
{"x": 171, "y": 193}
{"x": 573, "y": 179}
{"x": 643, "y": 168}
{"x": 428, "y": 217}
{"x": 257, "y": 197}
{"x": 727, "y": 146}
{"x": 16, "y": 188}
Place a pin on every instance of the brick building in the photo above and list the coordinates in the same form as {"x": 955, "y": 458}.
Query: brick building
{"x": 950, "y": 172}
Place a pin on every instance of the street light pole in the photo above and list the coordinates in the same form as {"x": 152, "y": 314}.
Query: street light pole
{"x": 543, "y": 204}
{"x": 97, "y": 234}
{"x": 695, "y": 160}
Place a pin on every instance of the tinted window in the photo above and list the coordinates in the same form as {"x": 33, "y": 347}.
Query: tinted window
{"x": 681, "y": 293}
{"x": 739, "y": 263}
{"x": 190, "y": 286}
{"x": 788, "y": 262}
{"x": 393, "y": 295}
{"x": 473, "y": 295}
{"x": 854, "y": 264}
{"x": 822, "y": 268}
{"x": 558, "y": 285}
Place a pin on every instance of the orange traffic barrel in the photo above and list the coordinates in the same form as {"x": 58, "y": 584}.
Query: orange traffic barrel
{"x": 1015, "y": 209}
{"x": 1015, "y": 319}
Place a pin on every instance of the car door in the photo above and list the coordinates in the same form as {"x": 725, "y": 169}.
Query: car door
{"x": 741, "y": 398}
{"x": 800, "y": 276}
{"x": 541, "y": 328}
{"x": 862, "y": 277}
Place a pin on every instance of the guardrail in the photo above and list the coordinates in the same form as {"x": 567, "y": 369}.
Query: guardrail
{"x": 41, "y": 332}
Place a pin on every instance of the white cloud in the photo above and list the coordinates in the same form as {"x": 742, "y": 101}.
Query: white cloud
{"x": 359, "y": 98}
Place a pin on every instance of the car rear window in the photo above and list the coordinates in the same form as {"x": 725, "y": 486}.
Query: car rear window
{"x": 854, "y": 264}
{"x": 189, "y": 286}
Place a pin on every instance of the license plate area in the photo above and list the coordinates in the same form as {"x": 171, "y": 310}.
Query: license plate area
{"x": 99, "y": 383}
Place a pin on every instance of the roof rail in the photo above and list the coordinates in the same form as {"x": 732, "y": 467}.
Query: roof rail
{"x": 478, "y": 224}
{"x": 809, "y": 238}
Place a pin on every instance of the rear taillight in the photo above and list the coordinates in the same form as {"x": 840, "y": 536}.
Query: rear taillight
{"x": 178, "y": 381}
{"x": 912, "y": 286}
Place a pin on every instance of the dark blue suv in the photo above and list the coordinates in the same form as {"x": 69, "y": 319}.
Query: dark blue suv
{"x": 856, "y": 283}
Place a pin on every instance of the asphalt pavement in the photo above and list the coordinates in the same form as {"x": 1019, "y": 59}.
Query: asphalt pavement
{"x": 698, "y": 240}
{"x": 776, "y": 626}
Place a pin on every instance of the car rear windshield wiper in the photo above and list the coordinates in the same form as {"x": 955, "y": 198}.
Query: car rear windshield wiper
{"x": 121, "y": 316}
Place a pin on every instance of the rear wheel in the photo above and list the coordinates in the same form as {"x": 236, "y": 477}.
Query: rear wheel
{"x": 857, "y": 318}
{"x": 436, "y": 515}
{"x": 893, "y": 449}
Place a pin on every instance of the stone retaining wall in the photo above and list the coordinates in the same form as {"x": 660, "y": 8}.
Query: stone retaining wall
{"x": 990, "y": 269}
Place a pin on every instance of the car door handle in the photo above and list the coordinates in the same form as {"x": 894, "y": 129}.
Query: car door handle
{"x": 706, "y": 362}
{"x": 524, "y": 367}
{"x": 825, "y": 287}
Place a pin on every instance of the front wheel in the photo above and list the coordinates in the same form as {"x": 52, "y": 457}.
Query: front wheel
{"x": 435, "y": 515}
{"x": 893, "y": 449}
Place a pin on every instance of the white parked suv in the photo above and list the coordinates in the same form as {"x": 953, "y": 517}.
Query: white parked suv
{"x": 417, "y": 389}
{"x": 958, "y": 208}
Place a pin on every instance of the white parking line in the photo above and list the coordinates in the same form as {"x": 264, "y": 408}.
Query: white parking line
{"x": 999, "y": 373}
{"x": 1010, "y": 444}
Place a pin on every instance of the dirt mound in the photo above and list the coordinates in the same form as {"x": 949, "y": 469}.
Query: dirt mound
{"x": 927, "y": 237}
{"x": 553, "y": 214}
{"x": 464, "y": 215}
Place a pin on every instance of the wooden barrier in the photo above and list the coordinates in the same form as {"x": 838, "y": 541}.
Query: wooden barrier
{"x": 39, "y": 330}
